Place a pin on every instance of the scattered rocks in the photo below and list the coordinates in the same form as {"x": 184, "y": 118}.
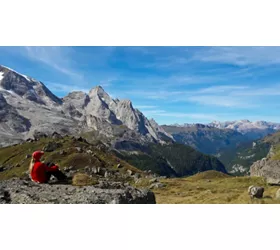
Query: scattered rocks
{"x": 153, "y": 180}
{"x": 119, "y": 166}
{"x": 16, "y": 191}
{"x": 136, "y": 176}
{"x": 38, "y": 135}
{"x": 56, "y": 135}
{"x": 256, "y": 192}
{"x": 52, "y": 146}
{"x": 89, "y": 151}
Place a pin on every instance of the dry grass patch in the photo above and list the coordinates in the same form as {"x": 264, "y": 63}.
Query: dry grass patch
{"x": 206, "y": 190}
{"x": 81, "y": 179}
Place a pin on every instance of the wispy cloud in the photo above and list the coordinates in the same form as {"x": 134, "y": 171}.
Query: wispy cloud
{"x": 240, "y": 56}
{"x": 57, "y": 58}
{"x": 145, "y": 106}
{"x": 64, "y": 88}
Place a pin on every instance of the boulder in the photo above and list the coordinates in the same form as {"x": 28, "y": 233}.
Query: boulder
{"x": 277, "y": 195}
{"x": 51, "y": 146}
{"x": 27, "y": 156}
{"x": 256, "y": 192}
{"x": 267, "y": 168}
{"x": 129, "y": 172}
{"x": 16, "y": 191}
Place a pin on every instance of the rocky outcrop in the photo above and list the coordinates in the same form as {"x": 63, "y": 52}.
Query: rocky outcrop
{"x": 267, "y": 168}
{"x": 17, "y": 191}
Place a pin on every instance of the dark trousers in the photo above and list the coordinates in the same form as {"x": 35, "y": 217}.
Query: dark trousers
{"x": 57, "y": 174}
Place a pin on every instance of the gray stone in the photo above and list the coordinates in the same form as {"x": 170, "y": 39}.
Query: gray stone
{"x": 79, "y": 150}
{"x": 256, "y": 192}
{"x": 277, "y": 195}
{"x": 157, "y": 185}
{"x": 51, "y": 146}
{"x": 267, "y": 168}
{"x": 153, "y": 180}
{"x": 129, "y": 172}
{"x": 16, "y": 191}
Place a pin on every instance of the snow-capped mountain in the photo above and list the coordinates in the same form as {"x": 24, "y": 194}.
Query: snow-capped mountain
{"x": 254, "y": 130}
{"x": 27, "y": 106}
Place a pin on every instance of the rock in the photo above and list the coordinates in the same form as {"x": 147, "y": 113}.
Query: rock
{"x": 81, "y": 139}
{"x": 38, "y": 135}
{"x": 157, "y": 185}
{"x": 269, "y": 169}
{"x": 27, "y": 156}
{"x": 2, "y": 168}
{"x": 107, "y": 174}
{"x": 136, "y": 176}
{"x": 62, "y": 152}
{"x": 277, "y": 195}
{"x": 29, "y": 140}
{"x": 56, "y": 135}
{"x": 17, "y": 165}
{"x": 51, "y": 146}
{"x": 256, "y": 192}
{"x": 89, "y": 152}
{"x": 16, "y": 191}
{"x": 119, "y": 166}
{"x": 153, "y": 180}
{"x": 129, "y": 172}
{"x": 79, "y": 150}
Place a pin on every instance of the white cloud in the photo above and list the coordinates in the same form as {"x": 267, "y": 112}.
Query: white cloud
{"x": 240, "y": 56}
{"x": 62, "y": 88}
{"x": 57, "y": 58}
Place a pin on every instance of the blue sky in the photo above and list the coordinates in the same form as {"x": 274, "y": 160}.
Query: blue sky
{"x": 169, "y": 84}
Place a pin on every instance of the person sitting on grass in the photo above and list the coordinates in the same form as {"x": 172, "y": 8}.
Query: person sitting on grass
{"x": 41, "y": 172}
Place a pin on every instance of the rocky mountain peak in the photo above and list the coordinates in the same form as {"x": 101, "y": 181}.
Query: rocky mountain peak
{"x": 26, "y": 87}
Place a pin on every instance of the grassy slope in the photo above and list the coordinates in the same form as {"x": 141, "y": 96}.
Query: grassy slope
{"x": 10, "y": 156}
{"x": 221, "y": 189}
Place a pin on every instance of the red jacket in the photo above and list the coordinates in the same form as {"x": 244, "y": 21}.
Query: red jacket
{"x": 38, "y": 173}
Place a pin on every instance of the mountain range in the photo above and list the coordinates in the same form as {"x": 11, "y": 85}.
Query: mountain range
{"x": 28, "y": 107}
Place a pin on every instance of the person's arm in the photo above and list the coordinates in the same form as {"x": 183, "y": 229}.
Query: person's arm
{"x": 51, "y": 168}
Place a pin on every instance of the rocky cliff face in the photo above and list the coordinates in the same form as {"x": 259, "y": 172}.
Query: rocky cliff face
{"x": 27, "y": 107}
{"x": 267, "y": 168}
